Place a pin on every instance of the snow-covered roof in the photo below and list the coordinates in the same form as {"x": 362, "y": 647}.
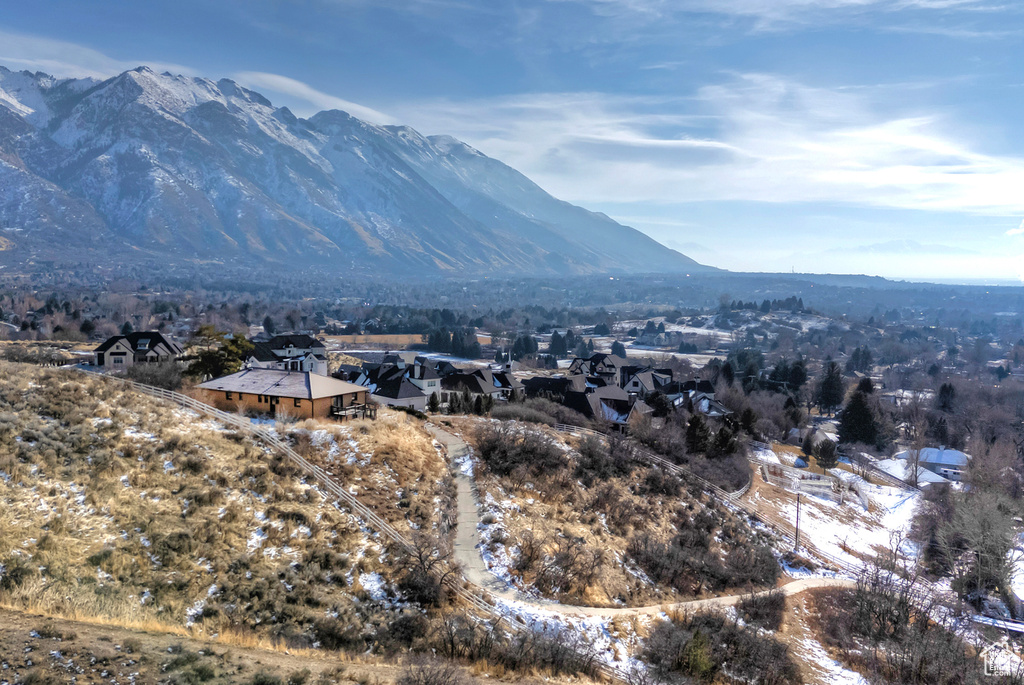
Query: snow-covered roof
{"x": 901, "y": 469}
{"x": 939, "y": 456}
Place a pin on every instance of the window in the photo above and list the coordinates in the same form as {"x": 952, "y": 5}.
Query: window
{"x": 227, "y": 395}
{"x": 431, "y": 384}
{"x": 118, "y": 360}
{"x": 298, "y": 402}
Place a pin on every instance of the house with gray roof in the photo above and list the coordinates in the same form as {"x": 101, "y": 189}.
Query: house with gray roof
{"x": 296, "y": 352}
{"x": 145, "y": 347}
{"x": 300, "y": 394}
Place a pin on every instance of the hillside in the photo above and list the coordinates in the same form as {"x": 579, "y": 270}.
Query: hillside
{"x": 154, "y": 166}
{"x": 121, "y": 508}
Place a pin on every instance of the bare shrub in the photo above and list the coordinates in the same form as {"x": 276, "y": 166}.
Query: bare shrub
{"x": 700, "y": 645}
{"x": 425, "y": 671}
{"x": 765, "y": 609}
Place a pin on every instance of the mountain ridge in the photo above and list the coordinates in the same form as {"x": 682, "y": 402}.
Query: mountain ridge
{"x": 185, "y": 169}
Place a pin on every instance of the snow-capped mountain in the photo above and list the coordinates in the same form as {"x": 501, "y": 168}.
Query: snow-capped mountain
{"x": 182, "y": 168}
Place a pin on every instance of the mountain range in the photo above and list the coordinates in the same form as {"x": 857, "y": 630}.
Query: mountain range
{"x": 148, "y": 166}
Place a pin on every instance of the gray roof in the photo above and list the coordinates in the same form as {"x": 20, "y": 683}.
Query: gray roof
{"x": 277, "y": 383}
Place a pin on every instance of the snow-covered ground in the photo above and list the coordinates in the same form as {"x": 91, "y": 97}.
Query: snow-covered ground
{"x": 832, "y": 672}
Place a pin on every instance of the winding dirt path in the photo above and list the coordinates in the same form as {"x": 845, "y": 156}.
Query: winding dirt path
{"x": 467, "y": 554}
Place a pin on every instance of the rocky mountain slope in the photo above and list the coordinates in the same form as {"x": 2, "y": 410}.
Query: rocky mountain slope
{"x": 147, "y": 165}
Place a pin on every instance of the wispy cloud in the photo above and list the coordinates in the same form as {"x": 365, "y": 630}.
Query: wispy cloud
{"x": 317, "y": 100}
{"x": 66, "y": 59}
{"x": 778, "y": 14}
{"x": 1016, "y": 231}
{"x": 755, "y": 137}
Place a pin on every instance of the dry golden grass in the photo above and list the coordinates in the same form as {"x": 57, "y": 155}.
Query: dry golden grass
{"x": 395, "y": 340}
{"x": 602, "y": 516}
{"x": 120, "y": 508}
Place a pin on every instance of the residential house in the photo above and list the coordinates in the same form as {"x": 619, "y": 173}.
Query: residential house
{"x": 608, "y": 403}
{"x": 391, "y": 384}
{"x": 644, "y": 380}
{"x": 297, "y": 352}
{"x": 950, "y": 464}
{"x": 301, "y": 394}
{"x": 554, "y": 387}
{"x": 122, "y": 351}
{"x": 697, "y": 397}
{"x": 605, "y": 369}
{"x": 479, "y": 383}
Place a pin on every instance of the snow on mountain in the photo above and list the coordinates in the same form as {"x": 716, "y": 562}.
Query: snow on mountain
{"x": 188, "y": 168}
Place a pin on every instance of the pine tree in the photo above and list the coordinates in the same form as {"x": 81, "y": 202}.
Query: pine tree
{"x": 947, "y": 397}
{"x": 797, "y": 375}
{"x": 723, "y": 445}
{"x": 557, "y": 347}
{"x": 268, "y": 325}
{"x": 618, "y": 349}
{"x": 857, "y": 423}
{"x": 831, "y": 390}
{"x": 728, "y": 374}
{"x": 826, "y": 455}
{"x": 433, "y": 403}
{"x": 127, "y": 329}
{"x": 697, "y": 435}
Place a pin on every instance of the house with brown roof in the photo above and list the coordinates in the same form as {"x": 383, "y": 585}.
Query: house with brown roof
{"x": 301, "y": 394}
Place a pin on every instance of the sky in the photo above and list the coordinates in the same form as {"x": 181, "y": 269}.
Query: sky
{"x": 881, "y": 137}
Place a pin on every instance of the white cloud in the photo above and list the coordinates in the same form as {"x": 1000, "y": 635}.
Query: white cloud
{"x": 65, "y": 59}
{"x": 775, "y": 14}
{"x": 755, "y": 138}
{"x": 1017, "y": 231}
{"x": 318, "y": 100}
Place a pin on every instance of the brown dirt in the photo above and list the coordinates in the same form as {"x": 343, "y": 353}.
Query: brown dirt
{"x": 110, "y": 654}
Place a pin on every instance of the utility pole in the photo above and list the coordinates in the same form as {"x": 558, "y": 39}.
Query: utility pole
{"x": 797, "y": 546}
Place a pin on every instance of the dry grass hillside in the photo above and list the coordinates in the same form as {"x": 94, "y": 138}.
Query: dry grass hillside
{"x": 582, "y": 522}
{"x": 121, "y": 508}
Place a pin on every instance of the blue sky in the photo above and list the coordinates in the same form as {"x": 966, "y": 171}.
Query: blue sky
{"x": 848, "y": 136}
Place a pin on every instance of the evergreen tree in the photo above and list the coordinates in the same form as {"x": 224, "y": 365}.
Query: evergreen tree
{"x": 433, "y": 403}
{"x": 797, "y": 375}
{"x": 127, "y": 329}
{"x": 557, "y": 348}
{"x": 723, "y": 445}
{"x": 831, "y": 390}
{"x": 698, "y": 437}
{"x": 748, "y": 419}
{"x": 571, "y": 339}
{"x": 946, "y": 398}
{"x": 268, "y": 325}
{"x": 857, "y": 423}
{"x": 590, "y": 346}
{"x": 728, "y": 374}
{"x": 619, "y": 349}
{"x": 826, "y": 455}
{"x": 808, "y": 444}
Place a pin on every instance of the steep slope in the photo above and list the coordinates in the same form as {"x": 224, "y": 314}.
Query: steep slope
{"x": 186, "y": 168}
